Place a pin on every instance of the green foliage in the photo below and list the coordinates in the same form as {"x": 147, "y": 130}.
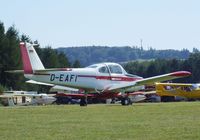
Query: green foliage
{"x": 25, "y": 38}
{"x": 10, "y": 59}
{"x": 162, "y": 66}
{"x": 2, "y": 88}
{"x": 52, "y": 59}
{"x": 49, "y": 58}
{"x": 76, "y": 64}
{"x": 95, "y": 54}
{"x": 63, "y": 60}
{"x": 194, "y": 66}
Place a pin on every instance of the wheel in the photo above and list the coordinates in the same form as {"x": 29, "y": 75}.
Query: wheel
{"x": 83, "y": 102}
{"x": 125, "y": 101}
{"x": 167, "y": 99}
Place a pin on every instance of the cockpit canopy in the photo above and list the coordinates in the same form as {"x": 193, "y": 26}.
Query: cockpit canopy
{"x": 111, "y": 68}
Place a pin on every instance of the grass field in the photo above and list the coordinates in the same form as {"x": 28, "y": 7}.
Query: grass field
{"x": 144, "y": 121}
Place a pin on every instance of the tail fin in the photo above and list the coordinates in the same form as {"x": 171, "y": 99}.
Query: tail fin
{"x": 30, "y": 58}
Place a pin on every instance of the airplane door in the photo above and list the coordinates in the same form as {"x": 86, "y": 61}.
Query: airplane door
{"x": 115, "y": 72}
{"x": 104, "y": 72}
{"x": 103, "y": 77}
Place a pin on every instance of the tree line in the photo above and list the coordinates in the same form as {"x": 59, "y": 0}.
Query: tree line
{"x": 10, "y": 59}
{"x": 94, "y": 54}
{"x": 162, "y": 66}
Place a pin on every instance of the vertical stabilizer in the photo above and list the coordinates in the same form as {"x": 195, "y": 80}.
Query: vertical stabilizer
{"x": 30, "y": 58}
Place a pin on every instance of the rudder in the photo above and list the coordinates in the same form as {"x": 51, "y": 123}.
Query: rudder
{"x": 30, "y": 58}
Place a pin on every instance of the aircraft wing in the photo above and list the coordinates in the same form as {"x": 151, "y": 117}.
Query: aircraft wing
{"x": 6, "y": 96}
{"x": 74, "y": 95}
{"x": 150, "y": 80}
{"x": 178, "y": 89}
{"x": 52, "y": 85}
{"x": 194, "y": 86}
{"x": 16, "y": 95}
{"x": 175, "y": 84}
{"x": 142, "y": 92}
{"x": 164, "y": 77}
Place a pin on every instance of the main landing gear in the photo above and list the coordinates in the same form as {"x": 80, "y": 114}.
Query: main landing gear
{"x": 83, "y": 101}
{"x": 126, "y": 101}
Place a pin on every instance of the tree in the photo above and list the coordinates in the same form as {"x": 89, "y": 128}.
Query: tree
{"x": 63, "y": 60}
{"x": 25, "y": 38}
{"x": 151, "y": 70}
{"x": 50, "y": 58}
{"x": 10, "y": 55}
{"x": 194, "y": 61}
{"x": 76, "y": 64}
{"x": 10, "y": 59}
{"x": 195, "y": 50}
{"x": 2, "y": 48}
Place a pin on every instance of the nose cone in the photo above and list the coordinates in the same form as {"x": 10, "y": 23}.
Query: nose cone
{"x": 181, "y": 73}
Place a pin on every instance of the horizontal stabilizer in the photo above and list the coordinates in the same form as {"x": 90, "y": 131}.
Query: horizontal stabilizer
{"x": 40, "y": 71}
{"x": 56, "y": 87}
{"x": 39, "y": 83}
{"x": 53, "y": 69}
{"x": 15, "y": 71}
{"x": 19, "y": 95}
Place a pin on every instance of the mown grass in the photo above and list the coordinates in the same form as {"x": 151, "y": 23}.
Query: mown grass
{"x": 144, "y": 121}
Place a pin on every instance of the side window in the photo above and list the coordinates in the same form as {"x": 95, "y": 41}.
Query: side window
{"x": 115, "y": 69}
{"x": 103, "y": 70}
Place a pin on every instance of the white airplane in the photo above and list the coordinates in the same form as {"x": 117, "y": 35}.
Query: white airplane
{"x": 36, "y": 99}
{"x": 97, "y": 78}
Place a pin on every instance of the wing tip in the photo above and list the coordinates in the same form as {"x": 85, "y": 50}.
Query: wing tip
{"x": 181, "y": 73}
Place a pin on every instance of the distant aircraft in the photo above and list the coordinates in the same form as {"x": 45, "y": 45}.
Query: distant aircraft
{"x": 97, "y": 78}
{"x": 36, "y": 99}
{"x": 178, "y": 89}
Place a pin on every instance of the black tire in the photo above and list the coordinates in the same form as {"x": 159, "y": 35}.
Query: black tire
{"x": 125, "y": 101}
{"x": 167, "y": 98}
{"x": 83, "y": 102}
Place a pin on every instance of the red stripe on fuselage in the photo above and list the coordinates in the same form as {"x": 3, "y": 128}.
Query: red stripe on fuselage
{"x": 25, "y": 59}
{"x": 113, "y": 78}
{"x": 41, "y": 74}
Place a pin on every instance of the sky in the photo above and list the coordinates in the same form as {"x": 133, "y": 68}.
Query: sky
{"x": 160, "y": 24}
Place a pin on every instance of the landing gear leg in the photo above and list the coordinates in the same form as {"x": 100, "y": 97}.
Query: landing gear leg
{"x": 83, "y": 101}
{"x": 125, "y": 101}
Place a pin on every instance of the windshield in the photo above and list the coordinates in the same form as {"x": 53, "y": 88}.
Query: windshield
{"x": 115, "y": 69}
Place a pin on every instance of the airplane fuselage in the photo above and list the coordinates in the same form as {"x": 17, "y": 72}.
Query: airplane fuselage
{"x": 98, "y": 78}
{"x": 85, "y": 78}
